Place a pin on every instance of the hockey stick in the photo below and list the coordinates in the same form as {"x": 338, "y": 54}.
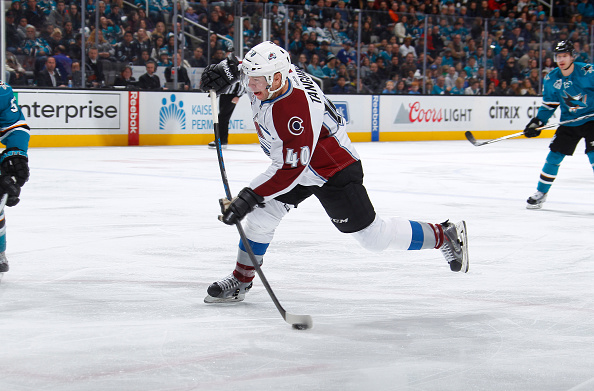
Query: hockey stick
{"x": 470, "y": 137}
{"x": 2, "y": 205}
{"x": 3, "y": 202}
{"x": 299, "y": 322}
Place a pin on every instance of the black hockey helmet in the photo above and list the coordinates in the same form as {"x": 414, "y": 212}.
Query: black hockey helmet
{"x": 564, "y": 47}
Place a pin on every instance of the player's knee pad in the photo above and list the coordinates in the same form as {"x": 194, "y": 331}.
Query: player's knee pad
{"x": 262, "y": 222}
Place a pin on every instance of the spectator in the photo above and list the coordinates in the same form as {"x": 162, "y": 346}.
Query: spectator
{"x": 75, "y": 17}
{"x": 390, "y": 88}
{"x": 373, "y": 81}
{"x": 510, "y": 71}
{"x": 46, "y": 6}
{"x": 50, "y": 76}
{"x": 144, "y": 41}
{"x": 116, "y": 15}
{"x": 401, "y": 29}
{"x": 127, "y": 50}
{"x": 76, "y": 75}
{"x": 347, "y": 54}
{"x": 94, "y": 69}
{"x": 125, "y": 79}
{"x": 341, "y": 86}
{"x": 143, "y": 59}
{"x": 55, "y": 38}
{"x": 158, "y": 44}
{"x": 216, "y": 24}
{"x": 407, "y": 47}
{"x": 447, "y": 58}
{"x": 59, "y": 16}
{"x": 471, "y": 67}
{"x": 457, "y": 49}
{"x": 514, "y": 87}
{"x": 17, "y": 10}
{"x": 526, "y": 88}
{"x": 491, "y": 89}
{"x": 458, "y": 88}
{"x": 394, "y": 69}
{"x": 105, "y": 50}
{"x": 314, "y": 67}
{"x": 324, "y": 51}
{"x": 33, "y": 46}
{"x": 500, "y": 59}
{"x": 164, "y": 60}
{"x": 18, "y": 75}
{"x": 439, "y": 88}
{"x": 401, "y": 88}
{"x": 473, "y": 88}
{"x": 63, "y": 63}
{"x": 414, "y": 88}
{"x": 182, "y": 74}
{"x": 150, "y": 81}
{"x": 13, "y": 39}
{"x": 111, "y": 32}
{"x": 450, "y": 79}
{"x": 34, "y": 14}
{"x": 198, "y": 61}
{"x": 586, "y": 9}
{"x": 310, "y": 49}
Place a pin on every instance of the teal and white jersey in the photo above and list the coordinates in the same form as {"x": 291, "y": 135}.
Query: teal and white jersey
{"x": 570, "y": 93}
{"x": 14, "y": 131}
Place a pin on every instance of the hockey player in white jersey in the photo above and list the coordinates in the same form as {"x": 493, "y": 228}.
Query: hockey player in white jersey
{"x": 14, "y": 163}
{"x": 305, "y": 137}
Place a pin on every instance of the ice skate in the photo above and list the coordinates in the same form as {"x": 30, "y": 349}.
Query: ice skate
{"x": 213, "y": 145}
{"x": 455, "y": 246}
{"x": 3, "y": 263}
{"x": 227, "y": 290}
{"x": 536, "y": 200}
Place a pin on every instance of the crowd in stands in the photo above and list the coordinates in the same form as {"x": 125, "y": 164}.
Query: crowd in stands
{"x": 486, "y": 47}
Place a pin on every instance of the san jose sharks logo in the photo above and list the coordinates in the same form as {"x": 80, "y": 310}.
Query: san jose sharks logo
{"x": 576, "y": 102}
{"x": 588, "y": 68}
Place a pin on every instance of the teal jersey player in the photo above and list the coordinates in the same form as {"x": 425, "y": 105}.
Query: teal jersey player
{"x": 571, "y": 88}
{"x": 14, "y": 163}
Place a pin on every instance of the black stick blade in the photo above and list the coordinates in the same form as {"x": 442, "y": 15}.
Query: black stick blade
{"x": 470, "y": 137}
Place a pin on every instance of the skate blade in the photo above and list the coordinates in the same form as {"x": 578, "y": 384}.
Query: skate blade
{"x": 233, "y": 299}
{"x": 463, "y": 238}
{"x": 535, "y": 206}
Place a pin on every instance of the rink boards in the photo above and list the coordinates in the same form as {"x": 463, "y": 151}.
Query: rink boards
{"x": 66, "y": 118}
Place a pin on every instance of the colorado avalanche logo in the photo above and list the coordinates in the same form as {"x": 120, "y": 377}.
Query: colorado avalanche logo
{"x": 296, "y": 126}
{"x": 271, "y": 56}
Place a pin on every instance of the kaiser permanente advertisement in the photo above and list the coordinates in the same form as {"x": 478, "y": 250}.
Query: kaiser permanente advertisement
{"x": 115, "y": 118}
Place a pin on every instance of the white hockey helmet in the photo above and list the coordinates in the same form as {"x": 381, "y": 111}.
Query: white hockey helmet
{"x": 266, "y": 59}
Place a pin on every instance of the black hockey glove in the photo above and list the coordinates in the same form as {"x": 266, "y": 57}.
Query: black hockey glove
{"x": 14, "y": 173}
{"x": 220, "y": 76}
{"x": 235, "y": 210}
{"x": 8, "y": 186}
{"x": 531, "y": 129}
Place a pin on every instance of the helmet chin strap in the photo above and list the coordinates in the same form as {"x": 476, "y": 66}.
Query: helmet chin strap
{"x": 569, "y": 66}
{"x": 273, "y": 91}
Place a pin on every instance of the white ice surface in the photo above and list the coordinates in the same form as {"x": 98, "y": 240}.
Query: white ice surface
{"x": 112, "y": 249}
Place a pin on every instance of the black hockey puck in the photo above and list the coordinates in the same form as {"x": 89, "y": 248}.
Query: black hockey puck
{"x": 300, "y": 326}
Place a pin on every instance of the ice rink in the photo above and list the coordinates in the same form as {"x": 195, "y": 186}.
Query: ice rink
{"x": 112, "y": 249}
